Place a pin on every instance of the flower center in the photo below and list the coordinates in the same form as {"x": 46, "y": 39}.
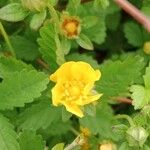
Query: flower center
{"x": 73, "y": 90}
{"x": 71, "y": 27}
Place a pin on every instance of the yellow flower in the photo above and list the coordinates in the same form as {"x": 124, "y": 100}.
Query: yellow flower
{"x": 74, "y": 86}
{"x": 70, "y": 26}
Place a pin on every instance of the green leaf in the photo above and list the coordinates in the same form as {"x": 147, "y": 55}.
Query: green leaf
{"x": 28, "y": 140}
{"x": 101, "y": 123}
{"x": 146, "y": 9}
{"x": 24, "y": 48}
{"x": 37, "y": 20}
{"x": 97, "y": 33}
{"x": 22, "y": 87}
{"x": 48, "y": 45}
{"x": 89, "y": 21}
{"x": 59, "y": 146}
{"x": 133, "y": 33}
{"x": 65, "y": 45}
{"x": 83, "y": 57}
{"x": 7, "y": 135}
{"x": 13, "y": 12}
{"x": 10, "y": 65}
{"x": 39, "y": 116}
{"x": 117, "y": 76}
{"x": 85, "y": 42}
{"x": 125, "y": 146}
{"x": 141, "y": 94}
{"x": 65, "y": 115}
{"x": 101, "y": 4}
{"x": 73, "y": 6}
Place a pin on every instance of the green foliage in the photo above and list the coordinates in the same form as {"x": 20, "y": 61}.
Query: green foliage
{"x": 36, "y": 38}
{"x": 13, "y": 12}
{"x": 48, "y": 45}
{"x": 38, "y": 116}
{"x": 7, "y": 135}
{"x": 123, "y": 74}
{"x": 140, "y": 94}
{"x": 28, "y": 140}
{"x": 133, "y": 33}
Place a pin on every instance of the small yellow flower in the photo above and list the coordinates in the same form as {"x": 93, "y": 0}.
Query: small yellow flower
{"x": 70, "y": 26}
{"x": 146, "y": 47}
{"x": 85, "y": 131}
{"x": 74, "y": 86}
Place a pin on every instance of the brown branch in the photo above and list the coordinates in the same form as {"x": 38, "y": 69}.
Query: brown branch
{"x": 122, "y": 100}
{"x": 42, "y": 63}
{"x": 135, "y": 13}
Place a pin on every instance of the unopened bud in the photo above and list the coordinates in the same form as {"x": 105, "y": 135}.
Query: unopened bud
{"x": 136, "y": 136}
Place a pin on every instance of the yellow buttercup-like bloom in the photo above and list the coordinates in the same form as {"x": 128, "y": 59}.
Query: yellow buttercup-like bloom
{"x": 74, "y": 86}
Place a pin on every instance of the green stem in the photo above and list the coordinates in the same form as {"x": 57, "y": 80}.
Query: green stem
{"x": 59, "y": 51}
{"x": 6, "y": 38}
{"x": 54, "y": 16}
{"x": 127, "y": 118}
{"x": 75, "y": 131}
{"x": 77, "y": 142}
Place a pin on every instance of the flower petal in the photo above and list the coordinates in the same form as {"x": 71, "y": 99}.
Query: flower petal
{"x": 92, "y": 99}
{"x": 74, "y": 109}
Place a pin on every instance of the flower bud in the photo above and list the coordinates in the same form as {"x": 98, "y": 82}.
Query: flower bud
{"x": 70, "y": 26}
{"x": 108, "y": 146}
{"x": 136, "y": 136}
{"x": 34, "y": 5}
{"x": 146, "y": 47}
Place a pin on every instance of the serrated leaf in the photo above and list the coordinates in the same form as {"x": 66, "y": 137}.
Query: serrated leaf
{"x": 117, "y": 76}
{"x": 48, "y": 45}
{"x": 101, "y": 123}
{"x": 141, "y": 94}
{"x": 101, "y": 4}
{"x": 24, "y": 48}
{"x": 39, "y": 116}
{"x": 133, "y": 33}
{"x": 28, "y": 140}
{"x": 37, "y": 20}
{"x": 97, "y": 33}
{"x": 13, "y": 12}
{"x": 83, "y": 57}
{"x": 7, "y": 135}
{"x": 22, "y": 87}
{"x": 84, "y": 42}
{"x": 59, "y": 146}
{"x": 10, "y": 65}
{"x": 89, "y": 21}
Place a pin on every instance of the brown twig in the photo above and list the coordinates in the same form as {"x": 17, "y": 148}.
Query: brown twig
{"x": 42, "y": 63}
{"x": 122, "y": 100}
{"x": 135, "y": 13}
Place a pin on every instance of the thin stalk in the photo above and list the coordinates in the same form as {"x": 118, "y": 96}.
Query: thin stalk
{"x": 6, "y": 38}
{"x": 77, "y": 142}
{"x": 127, "y": 118}
{"x": 59, "y": 51}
